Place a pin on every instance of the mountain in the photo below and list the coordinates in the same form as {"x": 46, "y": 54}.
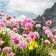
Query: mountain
{"x": 50, "y": 14}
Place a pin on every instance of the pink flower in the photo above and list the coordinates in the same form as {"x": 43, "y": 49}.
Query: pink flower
{"x": 1, "y": 42}
{"x": 38, "y": 25}
{"x": 12, "y": 23}
{"x": 47, "y": 31}
{"x": 45, "y": 28}
{"x": 14, "y": 16}
{"x": 33, "y": 23}
{"x": 28, "y": 39}
{"x": 11, "y": 54}
{"x": 23, "y": 23}
{"x": 22, "y": 45}
{"x": 49, "y": 22}
{"x": 55, "y": 37}
{"x": 15, "y": 30}
{"x": 15, "y": 39}
{"x": 50, "y": 35}
{"x": 28, "y": 26}
{"x": 32, "y": 35}
{"x": 2, "y": 23}
{"x": 6, "y": 49}
{"x": 17, "y": 24}
{"x": 29, "y": 20}
{"x": 37, "y": 35}
{"x": 13, "y": 36}
{"x": 25, "y": 35}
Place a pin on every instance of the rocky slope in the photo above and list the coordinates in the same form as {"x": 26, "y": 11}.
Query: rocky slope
{"x": 50, "y": 13}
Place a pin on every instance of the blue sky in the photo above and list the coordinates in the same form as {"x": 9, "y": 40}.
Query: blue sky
{"x": 30, "y": 8}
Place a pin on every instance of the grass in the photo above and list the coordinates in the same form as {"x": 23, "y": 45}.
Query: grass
{"x": 54, "y": 51}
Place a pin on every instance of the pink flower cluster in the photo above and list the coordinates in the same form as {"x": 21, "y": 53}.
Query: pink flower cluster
{"x": 15, "y": 38}
{"x": 27, "y": 24}
{"x": 50, "y": 34}
{"x": 47, "y": 32}
{"x": 28, "y": 34}
{"x": 2, "y": 23}
{"x": 31, "y": 36}
{"x": 14, "y": 23}
{"x": 6, "y": 49}
{"x": 18, "y": 42}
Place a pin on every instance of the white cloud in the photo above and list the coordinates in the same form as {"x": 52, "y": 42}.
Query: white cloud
{"x": 18, "y": 7}
{"x": 35, "y": 6}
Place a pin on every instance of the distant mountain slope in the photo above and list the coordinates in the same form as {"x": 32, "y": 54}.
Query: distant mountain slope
{"x": 50, "y": 13}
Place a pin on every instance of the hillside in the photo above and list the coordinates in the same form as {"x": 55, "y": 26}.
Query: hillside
{"x": 50, "y": 13}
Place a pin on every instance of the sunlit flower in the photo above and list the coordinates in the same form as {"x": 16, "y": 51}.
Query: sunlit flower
{"x": 32, "y": 45}
{"x": 47, "y": 42}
